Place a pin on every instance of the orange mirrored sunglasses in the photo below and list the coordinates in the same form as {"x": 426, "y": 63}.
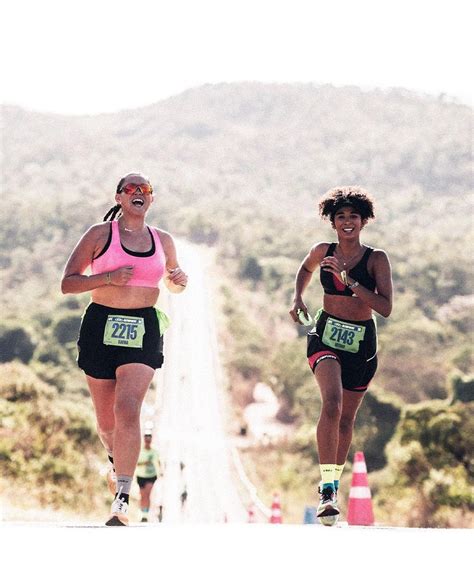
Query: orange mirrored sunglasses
{"x": 131, "y": 188}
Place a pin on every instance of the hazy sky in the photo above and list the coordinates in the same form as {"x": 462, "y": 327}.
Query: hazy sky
{"x": 90, "y": 56}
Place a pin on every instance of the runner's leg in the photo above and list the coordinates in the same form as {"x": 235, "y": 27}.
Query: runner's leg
{"x": 145, "y": 500}
{"x": 146, "y": 496}
{"x": 132, "y": 385}
{"x": 142, "y": 498}
{"x": 351, "y": 401}
{"x": 133, "y": 380}
{"x": 328, "y": 376}
{"x": 103, "y": 398}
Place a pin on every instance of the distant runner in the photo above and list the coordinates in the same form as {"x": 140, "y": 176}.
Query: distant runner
{"x": 184, "y": 496}
{"x": 120, "y": 342}
{"x": 184, "y": 491}
{"x": 342, "y": 347}
{"x": 148, "y": 470}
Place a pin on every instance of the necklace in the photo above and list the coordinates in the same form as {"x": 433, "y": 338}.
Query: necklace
{"x": 346, "y": 261}
{"x": 131, "y": 230}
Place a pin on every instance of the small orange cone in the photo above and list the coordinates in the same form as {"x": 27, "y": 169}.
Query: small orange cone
{"x": 251, "y": 514}
{"x": 359, "y": 510}
{"x": 275, "y": 517}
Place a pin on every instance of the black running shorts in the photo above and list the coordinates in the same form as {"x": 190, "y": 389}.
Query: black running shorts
{"x": 100, "y": 361}
{"x": 142, "y": 481}
{"x": 357, "y": 369}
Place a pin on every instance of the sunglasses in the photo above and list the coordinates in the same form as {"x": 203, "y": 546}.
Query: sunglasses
{"x": 131, "y": 188}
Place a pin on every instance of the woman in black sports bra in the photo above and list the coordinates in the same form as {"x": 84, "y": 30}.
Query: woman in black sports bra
{"x": 342, "y": 347}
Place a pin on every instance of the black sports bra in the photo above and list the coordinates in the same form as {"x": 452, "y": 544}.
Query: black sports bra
{"x": 359, "y": 272}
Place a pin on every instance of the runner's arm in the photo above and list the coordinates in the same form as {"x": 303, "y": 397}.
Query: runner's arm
{"x": 158, "y": 464}
{"x": 74, "y": 281}
{"x": 176, "y": 279}
{"x": 380, "y": 301}
{"x": 304, "y": 276}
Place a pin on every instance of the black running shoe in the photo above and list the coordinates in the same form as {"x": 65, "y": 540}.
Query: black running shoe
{"x": 327, "y": 503}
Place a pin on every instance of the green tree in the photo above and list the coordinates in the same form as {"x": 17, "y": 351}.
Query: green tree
{"x": 66, "y": 328}
{"x": 15, "y": 343}
{"x": 430, "y": 465}
{"x": 375, "y": 425}
{"x": 251, "y": 269}
{"x": 462, "y": 388}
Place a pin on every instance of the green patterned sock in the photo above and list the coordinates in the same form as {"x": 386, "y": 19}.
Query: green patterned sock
{"x": 337, "y": 474}
{"x": 327, "y": 474}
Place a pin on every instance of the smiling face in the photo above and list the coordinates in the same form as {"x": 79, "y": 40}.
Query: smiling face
{"x": 348, "y": 223}
{"x": 136, "y": 203}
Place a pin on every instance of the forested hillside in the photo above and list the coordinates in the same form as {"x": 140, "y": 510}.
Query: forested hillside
{"x": 240, "y": 167}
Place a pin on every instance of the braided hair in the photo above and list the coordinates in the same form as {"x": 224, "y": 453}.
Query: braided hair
{"x": 115, "y": 211}
{"x": 112, "y": 213}
{"x": 346, "y": 196}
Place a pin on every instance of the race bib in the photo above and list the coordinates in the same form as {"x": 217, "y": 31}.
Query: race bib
{"x": 124, "y": 331}
{"x": 343, "y": 335}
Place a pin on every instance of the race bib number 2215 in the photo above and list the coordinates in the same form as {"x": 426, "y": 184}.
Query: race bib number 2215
{"x": 124, "y": 331}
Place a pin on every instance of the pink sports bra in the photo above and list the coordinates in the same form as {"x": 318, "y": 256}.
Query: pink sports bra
{"x": 149, "y": 266}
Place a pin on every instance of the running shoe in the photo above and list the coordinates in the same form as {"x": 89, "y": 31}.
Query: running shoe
{"x": 119, "y": 513}
{"x": 327, "y": 503}
{"x": 112, "y": 480}
{"x": 329, "y": 521}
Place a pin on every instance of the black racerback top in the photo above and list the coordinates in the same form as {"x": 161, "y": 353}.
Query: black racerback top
{"x": 359, "y": 272}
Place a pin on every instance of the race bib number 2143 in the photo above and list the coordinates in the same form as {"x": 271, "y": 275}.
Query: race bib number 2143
{"x": 343, "y": 335}
{"x": 124, "y": 331}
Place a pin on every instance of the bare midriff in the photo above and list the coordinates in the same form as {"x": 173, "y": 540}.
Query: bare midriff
{"x": 126, "y": 297}
{"x": 347, "y": 307}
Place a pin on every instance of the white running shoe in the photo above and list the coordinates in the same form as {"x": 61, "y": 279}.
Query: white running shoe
{"x": 119, "y": 513}
{"x": 329, "y": 520}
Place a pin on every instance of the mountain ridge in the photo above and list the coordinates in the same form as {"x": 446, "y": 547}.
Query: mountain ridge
{"x": 280, "y": 136}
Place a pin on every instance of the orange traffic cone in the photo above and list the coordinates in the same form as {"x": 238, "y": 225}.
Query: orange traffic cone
{"x": 251, "y": 514}
{"x": 275, "y": 517}
{"x": 359, "y": 510}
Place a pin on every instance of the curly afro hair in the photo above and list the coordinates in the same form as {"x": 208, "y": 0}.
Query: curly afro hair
{"x": 348, "y": 196}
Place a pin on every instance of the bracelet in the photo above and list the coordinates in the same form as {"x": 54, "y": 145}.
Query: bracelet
{"x": 107, "y": 278}
{"x": 353, "y": 285}
{"x": 344, "y": 277}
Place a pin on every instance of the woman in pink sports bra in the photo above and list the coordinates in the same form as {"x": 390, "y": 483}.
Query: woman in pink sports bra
{"x": 120, "y": 342}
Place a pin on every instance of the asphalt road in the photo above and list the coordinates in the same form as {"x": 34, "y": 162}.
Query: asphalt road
{"x": 188, "y": 421}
